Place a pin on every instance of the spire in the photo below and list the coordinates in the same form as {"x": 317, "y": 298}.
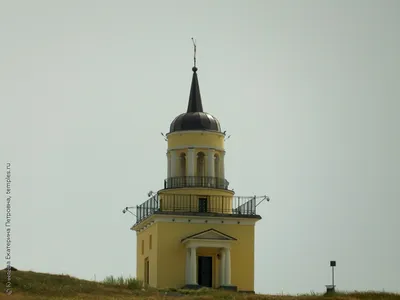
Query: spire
{"x": 194, "y": 104}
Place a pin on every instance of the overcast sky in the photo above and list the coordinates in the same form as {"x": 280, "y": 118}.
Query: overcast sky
{"x": 309, "y": 91}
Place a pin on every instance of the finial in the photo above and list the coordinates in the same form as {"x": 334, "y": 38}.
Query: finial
{"x": 194, "y": 69}
{"x": 194, "y": 104}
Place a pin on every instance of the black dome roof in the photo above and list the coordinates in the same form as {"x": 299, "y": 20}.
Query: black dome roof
{"x": 195, "y": 121}
{"x": 195, "y": 118}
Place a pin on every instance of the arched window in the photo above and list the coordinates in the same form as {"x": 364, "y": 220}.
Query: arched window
{"x": 181, "y": 180}
{"x": 182, "y": 165}
{"x": 201, "y": 172}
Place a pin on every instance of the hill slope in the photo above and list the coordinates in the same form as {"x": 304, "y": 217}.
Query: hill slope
{"x": 32, "y": 286}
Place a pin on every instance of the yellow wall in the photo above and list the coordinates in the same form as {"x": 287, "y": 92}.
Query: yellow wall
{"x": 172, "y": 254}
{"x": 150, "y": 253}
{"x": 193, "y": 138}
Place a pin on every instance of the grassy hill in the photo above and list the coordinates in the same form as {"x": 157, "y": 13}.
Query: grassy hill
{"x": 32, "y": 286}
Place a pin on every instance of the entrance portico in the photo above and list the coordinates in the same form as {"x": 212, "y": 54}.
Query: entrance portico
{"x": 219, "y": 242}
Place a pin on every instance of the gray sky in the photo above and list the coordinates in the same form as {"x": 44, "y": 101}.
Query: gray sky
{"x": 309, "y": 91}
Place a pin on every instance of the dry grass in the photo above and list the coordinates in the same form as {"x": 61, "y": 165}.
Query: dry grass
{"x": 34, "y": 286}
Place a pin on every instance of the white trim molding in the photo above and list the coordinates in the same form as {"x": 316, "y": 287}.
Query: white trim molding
{"x": 196, "y": 147}
{"x": 196, "y": 131}
{"x": 159, "y": 218}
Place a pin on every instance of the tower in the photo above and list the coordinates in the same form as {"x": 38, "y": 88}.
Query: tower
{"x": 195, "y": 232}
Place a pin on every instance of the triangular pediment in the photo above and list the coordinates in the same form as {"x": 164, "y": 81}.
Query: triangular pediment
{"x": 210, "y": 234}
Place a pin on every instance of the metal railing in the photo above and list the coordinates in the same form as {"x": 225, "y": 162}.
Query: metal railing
{"x": 196, "y": 181}
{"x": 196, "y": 204}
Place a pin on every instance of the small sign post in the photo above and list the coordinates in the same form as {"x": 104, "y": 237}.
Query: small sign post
{"x": 331, "y": 288}
{"x": 333, "y": 265}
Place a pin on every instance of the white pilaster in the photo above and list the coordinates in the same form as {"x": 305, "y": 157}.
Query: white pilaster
{"x": 191, "y": 161}
{"x": 222, "y": 268}
{"x": 187, "y": 273}
{"x": 173, "y": 163}
{"x": 227, "y": 266}
{"x": 169, "y": 165}
{"x": 222, "y": 165}
{"x": 193, "y": 265}
{"x": 210, "y": 158}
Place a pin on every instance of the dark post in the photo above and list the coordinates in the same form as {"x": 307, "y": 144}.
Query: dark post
{"x": 333, "y": 265}
{"x": 331, "y": 289}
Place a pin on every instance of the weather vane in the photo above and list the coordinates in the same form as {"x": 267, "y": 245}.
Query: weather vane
{"x": 194, "y": 57}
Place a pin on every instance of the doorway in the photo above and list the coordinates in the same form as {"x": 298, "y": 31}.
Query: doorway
{"x": 205, "y": 271}
{"x": 203, "y": 205}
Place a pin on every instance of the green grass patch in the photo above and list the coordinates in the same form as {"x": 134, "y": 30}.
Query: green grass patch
{"x": 129, "y": 283}
{"x": 34, "y": 286}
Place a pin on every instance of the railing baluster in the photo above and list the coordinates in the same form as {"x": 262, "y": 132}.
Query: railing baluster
{"x": 196, "y": 181}
{"x": 231, "y": 205}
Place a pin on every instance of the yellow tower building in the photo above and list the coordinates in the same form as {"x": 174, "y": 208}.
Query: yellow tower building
{"x": 195, "y": 232}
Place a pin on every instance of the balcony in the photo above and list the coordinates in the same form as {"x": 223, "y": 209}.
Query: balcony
{"x": 196, "y": 181}
{"x": 180, "y": 204}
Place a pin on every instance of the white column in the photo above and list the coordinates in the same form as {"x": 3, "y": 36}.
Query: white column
{"x": 222, "y": 164}
{"x": 193, "y": 265}
{"x": 173, "y": 163}
{"x": 187, "y": 273}
{"x": 169, "y": 165}
{"x": 227, "y": 266}
{"x": 191, "y": 161}
{"x": 222, "y": 268}
{"x": 210, "y": 157}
